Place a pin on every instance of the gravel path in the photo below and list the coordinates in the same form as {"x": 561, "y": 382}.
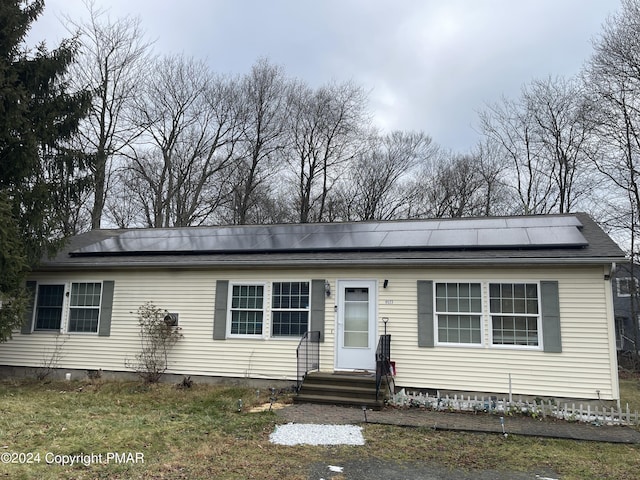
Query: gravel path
{"x": 314, "y": 434}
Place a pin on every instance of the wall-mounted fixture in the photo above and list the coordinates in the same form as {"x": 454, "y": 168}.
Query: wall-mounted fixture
{"x": 327, "y": 288}
{"x": 385, "y": 283}
{"x": 171, "y": 319}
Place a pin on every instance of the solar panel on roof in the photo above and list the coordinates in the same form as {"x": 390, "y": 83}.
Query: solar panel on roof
{"x": 524, "y": 232}
{"x": 408, "y": 225}
{"x": 454, "y": 238}
{"x": 363, "y": 239}
{"x": 319, "y": 241}
{"x": 542, "y": 221}
{"x": 473, "y": 224}
{"x": 348, "y": 227}
{"x": 555, "y": 236}
{"x": 408, "y": 237}
{"x": 508, "y": 236}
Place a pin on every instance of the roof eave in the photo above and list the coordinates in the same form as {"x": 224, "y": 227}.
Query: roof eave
{"x": 305, "y": 262}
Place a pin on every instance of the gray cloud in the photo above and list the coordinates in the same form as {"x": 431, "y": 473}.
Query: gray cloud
{"x": 429, "y": 65}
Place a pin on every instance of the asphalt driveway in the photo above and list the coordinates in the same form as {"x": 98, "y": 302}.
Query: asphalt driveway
{"x": 385, "y": 470}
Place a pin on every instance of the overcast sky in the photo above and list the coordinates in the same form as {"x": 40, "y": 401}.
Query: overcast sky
{"x": 429, "y": 65}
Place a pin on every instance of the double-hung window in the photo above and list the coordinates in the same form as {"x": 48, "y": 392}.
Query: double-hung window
{"x": 459, "y": 313}
{"x": 247, "y": 309}
{"x": 81, "y": 313}
{"x": 49, "y": 306}
{"x": 289, "y": 309}
{"x": 84, "y": 307}
{"x": 515, "y": 317}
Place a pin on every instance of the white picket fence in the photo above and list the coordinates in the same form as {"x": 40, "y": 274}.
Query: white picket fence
{"x": 597, "y": 415}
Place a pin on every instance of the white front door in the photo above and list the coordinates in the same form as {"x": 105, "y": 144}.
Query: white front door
{"x": 356, "y": 325}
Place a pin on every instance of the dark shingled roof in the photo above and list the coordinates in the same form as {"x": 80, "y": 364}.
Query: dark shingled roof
{"x": 572, "y": 239}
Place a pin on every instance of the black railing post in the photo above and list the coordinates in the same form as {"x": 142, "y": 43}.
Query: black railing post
{"x": 307, "y": 355}
{"x": 383, "y": 361}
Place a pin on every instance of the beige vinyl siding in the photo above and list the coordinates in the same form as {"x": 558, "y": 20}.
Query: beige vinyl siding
{"x": 191, "y": 294}
{"x": 586, "y": 365}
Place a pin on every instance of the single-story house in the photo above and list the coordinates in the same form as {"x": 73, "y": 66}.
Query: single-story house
{"x": 473, "y": 305}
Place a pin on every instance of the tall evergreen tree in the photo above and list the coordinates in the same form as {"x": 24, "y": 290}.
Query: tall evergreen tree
{"x": 38, "y": 115}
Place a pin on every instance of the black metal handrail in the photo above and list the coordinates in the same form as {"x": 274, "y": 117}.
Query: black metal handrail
{"x": 308, "y": 355}
{"x": 383, "y": 362}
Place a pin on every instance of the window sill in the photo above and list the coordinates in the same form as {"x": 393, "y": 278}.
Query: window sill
{"x": 536, "y": 348}
{"x": 245, "y": 337}
{"x": 459, "y": 345}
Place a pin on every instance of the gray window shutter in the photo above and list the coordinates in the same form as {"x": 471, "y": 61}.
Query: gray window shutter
{"x": 425, "y": 313}
{"x": 28, "y": 315}
{"x": 220, "y": 312}
{"x": 551, "y": 337}
{"x": 316, "y": 322}
{"x": 106, "y": 306}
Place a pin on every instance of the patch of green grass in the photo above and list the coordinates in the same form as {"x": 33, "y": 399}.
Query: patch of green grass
{"x": 199, "y": 433}
{"x": 630, "y": 393}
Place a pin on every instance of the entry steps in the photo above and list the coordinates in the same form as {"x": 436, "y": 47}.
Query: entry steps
{"x": 339, "y": 388}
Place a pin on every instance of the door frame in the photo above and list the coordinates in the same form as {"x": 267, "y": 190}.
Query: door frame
{"x": 372, "y": 285}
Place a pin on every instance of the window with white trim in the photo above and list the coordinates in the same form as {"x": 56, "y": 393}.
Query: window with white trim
{"x": 625, "y": 286}
{"x": 289, "y": 309}
{"x": 84, "y": 307}
{"x": 82, "y": 310}
{"x": 49, "y": 305}
{"x": 458, "y": 310}
{"x": 514, "y": 310}
{"x": 247, "y": 309}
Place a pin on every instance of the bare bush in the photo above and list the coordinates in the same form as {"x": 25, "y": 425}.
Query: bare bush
{"x": 157, "y": 338}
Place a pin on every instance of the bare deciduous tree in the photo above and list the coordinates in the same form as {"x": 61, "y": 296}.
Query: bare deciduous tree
{"x": 112, "y": 56}
{"x": 492, "y": 167}
{"x": 377, "y": 185}
{"x": 326, "y": 132}
{"x": 613, "y": 77}
{"x": 558, "y": 110}
{"x": 263, "y": 114}
{"x": 510, "y": 125}
{"x": 450, "y": 186}
{"x": 547, "y": 138}
{"x": 190, "y": 132}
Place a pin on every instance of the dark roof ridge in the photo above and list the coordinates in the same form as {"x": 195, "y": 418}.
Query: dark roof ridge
{"x": 343, "y": 222}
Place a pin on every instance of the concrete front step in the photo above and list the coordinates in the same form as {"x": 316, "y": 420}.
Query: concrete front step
{"x": 341, "y": 389}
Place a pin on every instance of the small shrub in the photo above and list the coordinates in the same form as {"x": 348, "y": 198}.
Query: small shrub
{"x": 51, "y": 358}
{"x": 157, "y": 338}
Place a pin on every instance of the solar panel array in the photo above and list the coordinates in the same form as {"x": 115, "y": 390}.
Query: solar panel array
{"x": 507, "y": 232}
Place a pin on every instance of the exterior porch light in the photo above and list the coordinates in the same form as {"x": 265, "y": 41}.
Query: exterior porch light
{"x": 327, "y": 288}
